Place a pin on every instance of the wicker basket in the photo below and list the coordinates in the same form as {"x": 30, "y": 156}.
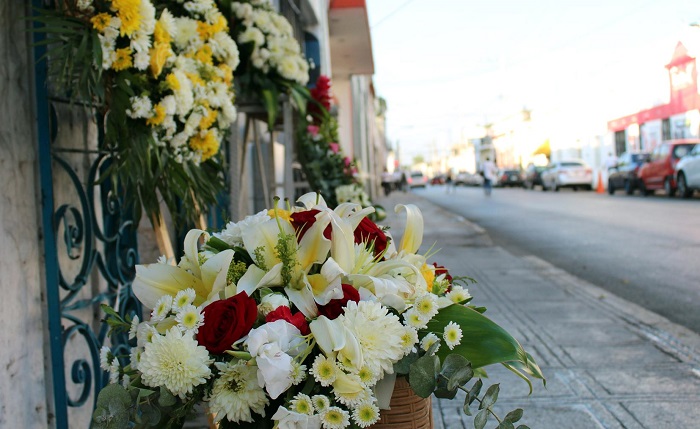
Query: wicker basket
{"x": 408, "y": 410}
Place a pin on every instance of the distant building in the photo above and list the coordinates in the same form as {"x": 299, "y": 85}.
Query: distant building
{"x": 679, "y": 118}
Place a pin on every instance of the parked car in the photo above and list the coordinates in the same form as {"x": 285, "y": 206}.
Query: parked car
{"x": 416, "y": 180}
{"x": 625, "y": 173}
{"x": 574, "y": 174}
{"x": 509, "y": 178}
{"x": 468, "y": 179}
{"x": 533, "y": 176}
{"x": 438, "y": 180}
{"x": 659, "y": 172}
{"x": 688, "y": 173}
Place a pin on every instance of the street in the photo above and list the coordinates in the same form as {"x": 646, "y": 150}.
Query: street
{"x": 641, "y": 249}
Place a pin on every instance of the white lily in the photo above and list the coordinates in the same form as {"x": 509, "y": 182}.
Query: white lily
{"x": 153, "y": 281}
{"x": 265, "y": 236}
{"x": 312, "y": 200}
{"x": 291, "y": 420}
{"x": 413, "y": 234}
{"x": 335, "y": 339}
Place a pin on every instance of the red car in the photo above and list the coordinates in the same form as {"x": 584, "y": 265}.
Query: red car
{"x": 659, "y": 172}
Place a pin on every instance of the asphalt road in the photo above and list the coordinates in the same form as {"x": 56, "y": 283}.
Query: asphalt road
{"x": 643, "y": 249}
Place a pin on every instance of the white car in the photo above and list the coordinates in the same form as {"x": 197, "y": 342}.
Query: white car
{"x": 417, "y": 180}
{"x": 567, "y": 174}
{"x": 687, "y": 172}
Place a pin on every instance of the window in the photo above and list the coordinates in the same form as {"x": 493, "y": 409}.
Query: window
{"x": 620, "y": 141}
{"x": 681, "y": 150}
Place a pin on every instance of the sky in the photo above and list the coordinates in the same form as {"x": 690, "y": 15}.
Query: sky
{"x": 447, "y": 67}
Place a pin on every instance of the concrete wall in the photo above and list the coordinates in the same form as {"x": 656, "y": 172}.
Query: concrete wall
{"x": 22, "y": 381}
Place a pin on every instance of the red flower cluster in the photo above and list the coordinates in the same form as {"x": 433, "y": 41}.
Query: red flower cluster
{"x": 322, "y": 94}
{"x": 284, "y": 313}
{"x": 335, "y": 307}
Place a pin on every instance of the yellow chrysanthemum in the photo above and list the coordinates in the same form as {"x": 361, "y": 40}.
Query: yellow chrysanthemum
{"x": 123, "y": 59}
{"x": 206, "y": 30}
{"x": 160, "y": 52}
{"x": 196, "y": 79}
{"x": 160, "y": 34}
{"x": 172, "y": 82}
{"x": 227, "y": 73}
{"x": 428, "y": 272}
{"x": 158, "y": 117}
{"x": 208, "y": 119}
{"x": 100, "y": 21}
{"x": 128, "y": 12}
{"x": 207, "y": 145}
{"x": 204, "y": 55}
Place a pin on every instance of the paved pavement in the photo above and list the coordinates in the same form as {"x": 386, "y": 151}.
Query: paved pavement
{"x": 609, "y": 363}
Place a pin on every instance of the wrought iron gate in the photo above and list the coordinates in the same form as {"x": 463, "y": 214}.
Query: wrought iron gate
{"x": 90, "y": 250}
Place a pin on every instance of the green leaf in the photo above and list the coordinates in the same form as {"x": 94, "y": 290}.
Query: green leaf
{"x": 149, "y": 415}
{"x": 490, "y": 397}
{"x": 457, "y": 369}
{"x": 474, "y": 391}
{"x": 481, "y": 419}
{"x": 166, "y": 399}
{"x": 505, "y": 425}
{"x": 112, "y": 409}
{"x": 514, "y": 415}
{"x": 403, "y": 366}
{"x": 522, "y": 427}
{"x": 483, "y": 341}
{"x": 465, "y": 406}
{"x": 422, "y": 375}
{"x": 270, "y": 101}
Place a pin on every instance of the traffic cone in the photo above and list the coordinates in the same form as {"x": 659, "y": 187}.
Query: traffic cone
{"x": 600, "y": 189}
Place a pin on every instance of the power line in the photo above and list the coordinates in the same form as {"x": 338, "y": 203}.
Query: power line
{"x": 392, "y": 13}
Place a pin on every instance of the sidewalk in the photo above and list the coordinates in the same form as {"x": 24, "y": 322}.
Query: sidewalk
{"x": 609, "y": 363}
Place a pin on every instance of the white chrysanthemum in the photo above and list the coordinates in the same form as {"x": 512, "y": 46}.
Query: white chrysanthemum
{"x": 233, "y": 233}
{"x": 167, "y": 22}
{"x": 366, "y": 414}
{"x": 335, "y": 418}
{"x": 414, "y": 319}
{"x": 175, "y": 361}
{"x": 452, "y": 335}
{"x": 426, "y": 305}
{"x": 145, "y": 333}
{"x": 226, "y": 49}
{"x": 321, "y": 403}
{"x": 135, "y": 357}
{"x": 162, "y": 308}
{"x": 126, "y": 380}
{"x": 428, "y": 341}
{"x": 409, "y": 339}
{"x": 458, "y": 294}
{"x": 302, "y": 404}
{"x": 114, "y": 372}
{"x": 367, "y": 376}
{"x": 148, "y": 17}
{"x": 324, "y": 370}
{"x": 236, "y": 393}
{"x": 142, "y": 60}
{"x": 105, "y": 358}
{"x": 298, "y": 373}
{"x": 252, "y": 34}
{"x": 141, "y": 107}
{"x": 134, "y": 327}
{"x": 378, "y": 332}
{"x": 108, "y": 46}
{"x": 184, "y": 99}
{"x": 189, "y": 318}
{"x": 184, "y": 298}
{"x": 355, "y": 394}
{"x": 185, "y": 32}
{"x": 84, "y": 4}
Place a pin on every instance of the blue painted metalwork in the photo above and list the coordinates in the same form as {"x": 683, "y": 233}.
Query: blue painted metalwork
{"x": 98, "y": 238}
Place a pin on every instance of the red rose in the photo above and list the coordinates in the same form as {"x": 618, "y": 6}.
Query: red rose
{"x": 302, "y": 221}
{"x": 284, "y": 313}
{"x": 439, "y": 269}
{"x": 367, "y": 231}
{"x": 335, "y": 307}
{"x": 226, "y": 321}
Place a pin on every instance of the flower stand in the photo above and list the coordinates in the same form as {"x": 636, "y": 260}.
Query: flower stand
{"x": 408, "y": 410}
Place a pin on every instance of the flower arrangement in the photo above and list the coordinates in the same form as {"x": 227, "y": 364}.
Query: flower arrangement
{"x": 161, "y": 74}
{"x": 271, "y": 58}
{"x": 300, "y": 317}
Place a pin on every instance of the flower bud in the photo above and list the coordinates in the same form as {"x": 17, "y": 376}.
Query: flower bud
{"x": 271, "y": 302}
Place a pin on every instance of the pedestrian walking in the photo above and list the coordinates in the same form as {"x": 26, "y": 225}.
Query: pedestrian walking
{"x": 387, "y": 179}
{"x": 449, "y": 183}
{"x": 488, "y": 171}
{"x": 404, "y": 181}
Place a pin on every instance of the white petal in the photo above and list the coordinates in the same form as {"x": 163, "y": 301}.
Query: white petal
{"x": 248, "y": 283}
{"x": 156, "y": 280}
{"x": 191, "y": 248}
{"x": 413, "y": 234}
{"x": 311, "y": 200}
{"x": 303, "y": 299}
{"x": 329, "y": 334}
{"x": 215, "y": 270}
